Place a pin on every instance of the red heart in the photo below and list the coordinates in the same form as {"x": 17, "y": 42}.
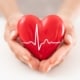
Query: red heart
{"x": 41, "y": 37}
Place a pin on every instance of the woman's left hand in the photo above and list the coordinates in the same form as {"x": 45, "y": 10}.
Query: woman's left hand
{"x": 59, "y": 55}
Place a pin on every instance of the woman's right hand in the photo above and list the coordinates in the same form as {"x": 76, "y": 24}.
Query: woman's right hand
{"x": 11, "y": 36}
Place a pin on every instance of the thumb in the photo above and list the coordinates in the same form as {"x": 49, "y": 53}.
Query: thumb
{"x": 69, "y": 34}
{"x": 68, "y": 39}
{"x": 13, "y": 34}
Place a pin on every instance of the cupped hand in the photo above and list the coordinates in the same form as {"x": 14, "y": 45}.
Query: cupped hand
{"x": 12, "y": 38}
{"x": 62, "y": 51}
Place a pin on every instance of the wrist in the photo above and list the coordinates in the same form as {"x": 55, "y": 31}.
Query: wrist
{"x": 14, "y": 18}
{"x": 68, "y": 8}
{"x": 65, "y": 18}
{"x": 65, "y": 15}
{"x": 8, "y": 7}
{"x": 10, "y": 12}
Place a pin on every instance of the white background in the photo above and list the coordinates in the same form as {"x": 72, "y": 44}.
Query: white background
{"x": 13, "y": 69}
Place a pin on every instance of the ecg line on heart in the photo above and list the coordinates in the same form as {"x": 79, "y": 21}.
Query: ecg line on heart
{"x": 36, "y": 41}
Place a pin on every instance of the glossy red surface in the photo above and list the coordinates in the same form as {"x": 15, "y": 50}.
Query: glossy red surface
{"x": 41, "y": 37}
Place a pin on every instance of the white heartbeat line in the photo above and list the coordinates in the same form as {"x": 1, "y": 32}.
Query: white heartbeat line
{"x": 36, "y": 41}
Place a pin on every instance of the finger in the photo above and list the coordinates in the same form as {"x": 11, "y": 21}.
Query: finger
{"x": 13, "y": 44}
{"x": 35, "y": 63}
{"x": 57, "y": 63}
{"x": 46, "y": 66}
{"x": 43, "y": 66}
{"x": 20, "y": 52}
{"x": 65, "y": 48}
{"x": 13, "y": 34}
{"x": 10, "y": 33}
{"x": 23, "y": 54}
{"x": 56, "y": 59}
{"x": 69, "y": 34}
{"x": 68, "y": 41}
{"x": 58, "y": 56}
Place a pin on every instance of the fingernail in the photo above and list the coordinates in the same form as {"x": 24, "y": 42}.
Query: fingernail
{"x": 12, "y": 34}
{"x": 49, "y": 69}
{"x": 29, "y": 65}
{"x": 26, "y": 58}
{"x": 69, "y": 37}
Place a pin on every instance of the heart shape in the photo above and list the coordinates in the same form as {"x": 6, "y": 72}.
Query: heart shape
{"x": 41, "y": 37}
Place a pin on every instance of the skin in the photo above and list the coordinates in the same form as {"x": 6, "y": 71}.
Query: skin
{"x": 62, "y": 52}
{"x": 12, "y": 14}
{"x": 66, "y": 11}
